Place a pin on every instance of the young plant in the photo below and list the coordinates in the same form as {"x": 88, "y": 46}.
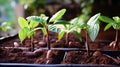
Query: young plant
{"x": 91, "y": 28}
{"x": 57, "y": 16}
{"x": 115, "y": 23}
{"x": 43, "y": 20}
{"x": 27, "y": 30}
{"x": 65, "y": 27}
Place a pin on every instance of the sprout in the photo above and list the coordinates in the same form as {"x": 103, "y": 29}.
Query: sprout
{"x": 27, "y": 30}
{"x": 115, "y": 23}
{"x": 65, "y": 27}
{"x": 91, "y": 28}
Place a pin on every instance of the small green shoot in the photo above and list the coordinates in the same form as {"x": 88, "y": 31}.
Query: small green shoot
{"x": 27, "y": 30}
{"x": 65, "y": 27}
{"x": 115, "y": 23}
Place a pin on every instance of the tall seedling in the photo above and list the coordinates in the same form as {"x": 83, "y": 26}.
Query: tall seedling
{"x": 27, "y": 30}
{"x": 57, "y": 16}
{"x": 115, "y": 23}
{"x": 91, "y": 28}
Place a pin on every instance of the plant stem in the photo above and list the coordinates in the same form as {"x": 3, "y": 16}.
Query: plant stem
{"x": 87, "y": 44}
{"x": 66, "y": 39}
{"x": 47, "y": 38}
{"x": 32, "y": 45}
{"x": 23, "y": 43}
{"x": 48, "y": 44}
{"x": 116, "y": 37}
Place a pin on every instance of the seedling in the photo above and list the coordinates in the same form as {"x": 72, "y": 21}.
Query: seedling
{"x": 43, "y": 21}
{"x": 115, "y": 23}
{"x": 57, "y": 16}
{"x": 65, "y": 27}
{"x": 27, "y": 30}
{"x": 91, "y": 28}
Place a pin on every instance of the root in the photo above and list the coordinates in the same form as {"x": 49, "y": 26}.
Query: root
{"x": 113, "y": 44}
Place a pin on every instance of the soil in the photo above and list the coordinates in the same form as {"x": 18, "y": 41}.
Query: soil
{"x": 14, "y": 54}
{"x": 102, "y": 45}
{"x": 80, "y": 57}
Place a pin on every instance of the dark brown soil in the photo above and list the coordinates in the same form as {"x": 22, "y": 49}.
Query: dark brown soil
{"x": 79, "y": 57}
{"x": 15, "y": 55}
{"x": 103, "y": 46}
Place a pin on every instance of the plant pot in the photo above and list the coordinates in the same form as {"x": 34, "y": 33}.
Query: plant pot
{"x": 52, "y": 65}
{"x": 4, "y": 39}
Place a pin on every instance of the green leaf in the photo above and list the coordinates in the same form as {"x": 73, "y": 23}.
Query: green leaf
{"x": 116, "y": 18}
{"x": 77, "y": 34}
{"x": 44, "y": 31}
{"x": 60, "y": 35}
{"x": 93, "y": 31}
{"x": 33, "y": 24}
{"x": 33, "y": 31}
{"x": 107, "y": 26}
{"x": 71, "y": 29}
{"x": 4, "y": 29}
{"x": 93, "y": 19}
{"x": 22, "y": 22}
{"x": 38, "y": 28}
{"x": 84, "y": 26}
{"x": 93, "y": 26}
{"x": 53, "y": 28}
{"x": 30, "y": 33}
{"x": 40, "y": 19}
{"x": 57, "y": 15}
{"x": 23, "y": 33}
{"x": 5, "y": 26}
{"x": 75, "y": 20}
{"x": 116, "y": 26}
{"x": 35, "y": 18}
{"x": 64, "y": 22}
{"x": 106, "y": 19}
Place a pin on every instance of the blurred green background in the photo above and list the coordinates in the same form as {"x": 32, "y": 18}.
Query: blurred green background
{"x": 10, "y": 10}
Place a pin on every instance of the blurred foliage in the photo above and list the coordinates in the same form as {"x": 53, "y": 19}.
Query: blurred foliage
{"x": 7, "y": 11}
{"x": 86, "y": 6}
{"x": 5, "y": 26}
{"x": 34, "y": 7}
